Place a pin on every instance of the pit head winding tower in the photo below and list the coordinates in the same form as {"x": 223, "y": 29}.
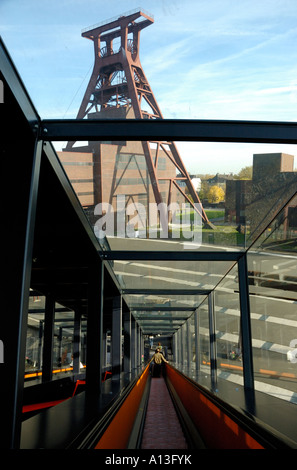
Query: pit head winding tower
{"x": 119, "y": 89}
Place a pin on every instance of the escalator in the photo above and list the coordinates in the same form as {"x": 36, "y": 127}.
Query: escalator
{"x": 163, "y": 428}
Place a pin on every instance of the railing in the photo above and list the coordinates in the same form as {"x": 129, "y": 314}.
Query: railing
{"x": 115, "y": 18}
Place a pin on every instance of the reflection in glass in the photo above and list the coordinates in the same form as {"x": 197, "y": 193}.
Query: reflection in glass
{"x": 63, "y": 338}
{"x": 115, "y": 185}
{"x": 273, "y": 294}
{"x": 204, "y": 340}
{"x": 176, "y": 275}
{"x": 34, "y": 341}
{"x": 124, "y": 197}
{"x": 228, "y": 331}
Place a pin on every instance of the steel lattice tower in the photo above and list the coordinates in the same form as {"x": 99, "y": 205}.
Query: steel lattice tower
{"x": 118, "y": 80}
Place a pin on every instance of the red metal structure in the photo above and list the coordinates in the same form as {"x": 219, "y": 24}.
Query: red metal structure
{"x": 118, "y": 80}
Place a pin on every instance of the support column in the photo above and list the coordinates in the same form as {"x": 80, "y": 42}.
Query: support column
{"x": 177, "y": 360}
{"x": 40, "y": 339}
{"x": 116, "y": 337}
{"x": 197, "y": 348}
{"x": 183, "y": 345}
{"x": 174, "y": 347}
{"x": 212, "y": 338}
{"x": 127, "y": 341}
{"x": 246, "y": 334}
{"x": 16, "y": 261}
{"x": 47, "y": 357}
{"x": 181, "y": 348}
{"x": 77, "y": 341}
{"x": 141, "y": 348}
{"x": 133, "y": 343}
{"x": 60, "y": 341}
{"x": 138, "y": 354}
{"x": 189, "y": 343}
{"x": 104, "y": 349}
{"x": 95, "y": 329}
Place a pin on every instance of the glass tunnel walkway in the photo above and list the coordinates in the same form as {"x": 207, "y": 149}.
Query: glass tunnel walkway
{"x": 79, "y": 310}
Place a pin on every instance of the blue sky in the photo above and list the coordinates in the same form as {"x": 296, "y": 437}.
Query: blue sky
{"x": 213, "y": 59}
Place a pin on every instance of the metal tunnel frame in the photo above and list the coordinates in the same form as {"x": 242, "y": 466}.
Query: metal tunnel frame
{"x": 27, "y": 131}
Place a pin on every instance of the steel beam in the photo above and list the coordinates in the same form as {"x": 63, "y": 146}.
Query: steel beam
{"x": 77, "y": 341}
{"x": 185, "y": 130}
{"x": 95, "y": 330}
{"x": 212, "y": 337}
{"x": 162, "y": 309}
{"x": 246, "y": 333}
{"x": 141, "y": 291}
{"x": 197, "y": 348}
{"x": 47, "y": 363}
{"x": 185, "y": 255}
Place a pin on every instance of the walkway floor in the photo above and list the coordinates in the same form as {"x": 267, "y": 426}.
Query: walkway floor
{"x": 162, "y": 429}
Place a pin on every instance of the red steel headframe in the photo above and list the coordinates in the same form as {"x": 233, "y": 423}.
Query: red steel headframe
{"x": 118, "y": 80}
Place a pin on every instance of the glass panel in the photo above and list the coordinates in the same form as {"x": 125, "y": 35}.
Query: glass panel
{"x": 133, "y": 192}
{"x": 178, "y": 275}
{"x": 160, "y": 322}
{"x": 158, "y": 298}
{"x": 273, "y": 295}
{"x": 135, "y": 196}
{"x": 181, "y": 285}
{"x": 63, "y": 339}
{"x": 228, "y": 336}
{"x": 34, "y": 342}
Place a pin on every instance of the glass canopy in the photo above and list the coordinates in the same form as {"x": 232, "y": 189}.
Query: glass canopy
{"x": 161, "y": 194}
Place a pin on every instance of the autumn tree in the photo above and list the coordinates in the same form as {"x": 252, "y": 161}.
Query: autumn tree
{"x": 215, "y": 194}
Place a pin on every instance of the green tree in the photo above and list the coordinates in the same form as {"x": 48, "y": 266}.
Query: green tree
{"x": 204, "y": 189}
{"x": 245, "y": 173}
